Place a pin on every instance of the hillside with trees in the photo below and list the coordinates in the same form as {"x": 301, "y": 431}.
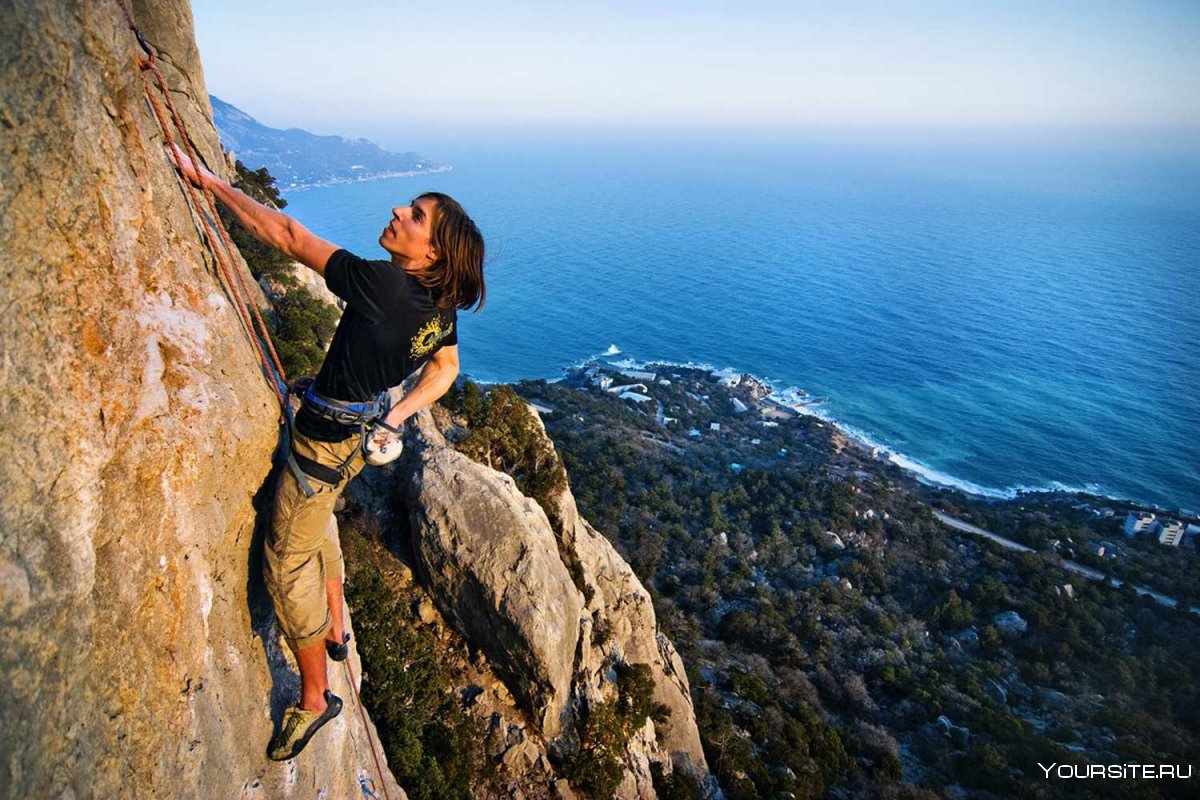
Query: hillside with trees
{"x": 840, "y": 640}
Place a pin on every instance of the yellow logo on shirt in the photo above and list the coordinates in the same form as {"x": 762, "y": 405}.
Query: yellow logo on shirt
{"x": 429, "y": 335}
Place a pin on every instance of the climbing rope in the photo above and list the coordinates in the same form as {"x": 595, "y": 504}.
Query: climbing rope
{"x": 363, "y": 714}
{"x": 222, "y": 249}
{"x": 219, "y": 243}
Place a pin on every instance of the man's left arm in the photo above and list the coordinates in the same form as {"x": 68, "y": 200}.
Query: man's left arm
{"x": 436, "y": 377}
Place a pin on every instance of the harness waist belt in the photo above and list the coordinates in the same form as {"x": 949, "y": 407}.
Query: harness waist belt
{"x": 346, "y": 413}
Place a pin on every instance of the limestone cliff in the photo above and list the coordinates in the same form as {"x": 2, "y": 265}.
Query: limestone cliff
{"x": 140, "y": 657}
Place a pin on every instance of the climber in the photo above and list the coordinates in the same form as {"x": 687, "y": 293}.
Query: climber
{"x": 400, "y": 316}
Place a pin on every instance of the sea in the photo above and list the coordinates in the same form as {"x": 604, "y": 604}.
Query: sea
{"x": 1000, "y": 312}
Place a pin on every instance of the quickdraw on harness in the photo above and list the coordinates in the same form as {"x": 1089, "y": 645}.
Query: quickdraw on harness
{"x": 379, "y": 442}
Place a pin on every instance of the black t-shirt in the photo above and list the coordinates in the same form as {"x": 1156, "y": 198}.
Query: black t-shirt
{"x": 390, "y": 327}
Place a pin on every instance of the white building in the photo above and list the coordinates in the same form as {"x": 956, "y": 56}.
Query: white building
{"x": 641, "y": 398}
{"x": 714, "y": 426}
{"x": 1170, "y": 532}
{"x": 641, "y": 376}
{"x": 739, "y": 406}
{"x": 1138, "y": 523}
{"x": 727, "y": 377}
{"x": 603, "y": 381}
{"x": 628, "y": 387}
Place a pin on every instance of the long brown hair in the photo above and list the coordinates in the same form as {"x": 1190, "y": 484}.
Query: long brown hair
{"x": 456, "y": 278}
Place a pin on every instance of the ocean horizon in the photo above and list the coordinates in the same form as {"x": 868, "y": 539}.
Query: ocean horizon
{"x": 999, "y": 317}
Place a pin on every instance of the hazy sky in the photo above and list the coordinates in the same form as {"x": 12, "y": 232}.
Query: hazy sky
{"x": 345, "y": 66}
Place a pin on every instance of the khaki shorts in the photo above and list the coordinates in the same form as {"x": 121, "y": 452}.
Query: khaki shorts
{"x": 302, "y": 550}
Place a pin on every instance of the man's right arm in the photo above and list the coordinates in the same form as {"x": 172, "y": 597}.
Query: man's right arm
{"x": 268, "y": 225}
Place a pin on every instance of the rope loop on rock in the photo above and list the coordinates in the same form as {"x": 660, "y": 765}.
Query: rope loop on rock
{"x": 219, "y": 243}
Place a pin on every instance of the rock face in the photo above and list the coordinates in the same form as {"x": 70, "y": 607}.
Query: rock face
{"x": 501, "y": 582}
{"x": 140, "y": 656}
{"x": 490, "y": 558}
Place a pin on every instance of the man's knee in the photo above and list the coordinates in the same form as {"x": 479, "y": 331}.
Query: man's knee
{"x": 296, "y": 583}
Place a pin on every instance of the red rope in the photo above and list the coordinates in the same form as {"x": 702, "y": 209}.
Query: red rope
{"x": 212, "y": 205}
{"x": 227, "y": 269}
{"x": 363, "y": 714}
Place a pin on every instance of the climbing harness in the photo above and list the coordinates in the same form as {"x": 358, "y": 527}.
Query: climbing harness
{"x": 379, "y": 442}
{"x": 233, "y": 281}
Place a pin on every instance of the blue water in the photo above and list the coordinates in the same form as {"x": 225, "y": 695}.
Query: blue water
{"x": 1003, "y": 317}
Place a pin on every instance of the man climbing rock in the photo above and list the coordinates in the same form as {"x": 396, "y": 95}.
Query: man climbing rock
{"x": 400, "y": 316}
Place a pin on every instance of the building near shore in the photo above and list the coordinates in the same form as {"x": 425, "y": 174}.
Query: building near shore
{"x": 727, "y": 377}
{"x": 641, "y": 398}
{"x": 1170, "y": 532}
{"x": 628, "y": 387}
{"x": 1138, "y": 522}
{"x": 597, "y": 378}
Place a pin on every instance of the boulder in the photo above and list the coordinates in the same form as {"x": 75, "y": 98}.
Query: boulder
{"x": 496, "y": 565}
{"x": 1010, "y": 624}
{"x": 488, "y": 558}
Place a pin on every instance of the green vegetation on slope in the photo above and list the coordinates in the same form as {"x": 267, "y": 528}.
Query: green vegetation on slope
{"x": 301, "y": 325}
{"x": 433, "y": 746}
{"x": 839, "y": 639}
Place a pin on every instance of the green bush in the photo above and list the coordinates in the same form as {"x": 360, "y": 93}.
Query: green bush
{"x": 954, "y": 614}
{"x": 605, "y": 728}
{"x": 433, "y": 746}
{"x": 302, "y": 329}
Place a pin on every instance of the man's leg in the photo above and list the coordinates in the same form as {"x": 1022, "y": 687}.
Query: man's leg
{"x": 313, "y": 679}
{"x": 331, "y": 553}
{"x": 333, "y": 593}
{"x": 295, "y": 572}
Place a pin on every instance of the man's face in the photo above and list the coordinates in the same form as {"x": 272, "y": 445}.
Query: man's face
{"x": 407, "y": 234}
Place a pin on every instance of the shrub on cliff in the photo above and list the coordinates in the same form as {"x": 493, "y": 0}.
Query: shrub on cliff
{"x": 302, "y": 328}
{"x": 605, "y": 728}
{"x": 505, "y": 436}
{"x": 433, "y": 746}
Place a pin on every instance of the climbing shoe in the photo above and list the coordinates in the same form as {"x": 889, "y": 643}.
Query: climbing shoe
{"x": 299, "y": 725}
{"x": 338, "y": 652}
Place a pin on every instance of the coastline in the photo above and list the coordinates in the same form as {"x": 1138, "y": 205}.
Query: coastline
{"x": 795, "y": 401}
{"x": 374, "y": 176}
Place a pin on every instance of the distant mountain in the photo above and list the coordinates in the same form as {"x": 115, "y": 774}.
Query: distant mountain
{"x": 299, "y": 159}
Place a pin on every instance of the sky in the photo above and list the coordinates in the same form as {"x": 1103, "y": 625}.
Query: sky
{"x": 360, "y": 67}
